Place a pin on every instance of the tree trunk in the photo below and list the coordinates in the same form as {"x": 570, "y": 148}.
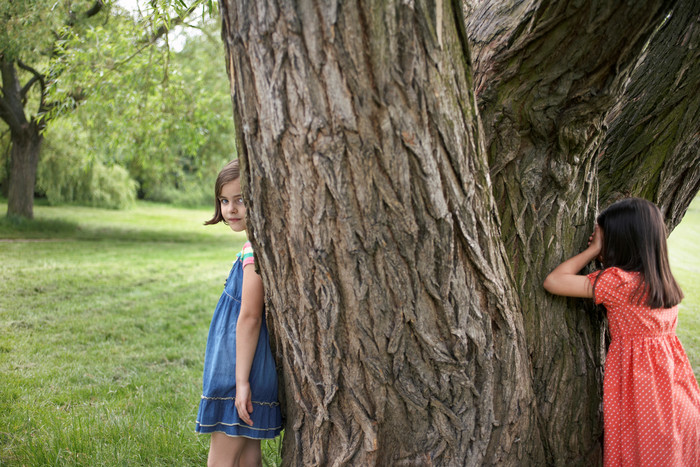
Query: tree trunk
{"x": 652, "y": 147}
{"x": 393, "y": 306}
{"x": 25, "y": 137}
{"x": 403, "y": 231}
{"x": 547, "y": 74}
{"x": 24, "y": 160}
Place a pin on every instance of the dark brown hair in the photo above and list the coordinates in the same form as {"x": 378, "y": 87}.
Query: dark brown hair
{"x": 634, "y": 239}
{"x": 229, "y": 173}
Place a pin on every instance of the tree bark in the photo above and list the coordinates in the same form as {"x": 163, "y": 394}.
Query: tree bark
{"x": 24, "y": 160}
{"x": 547, "y": 74}
{"x": 406, "y": 202}
{"x": 25, "y": 137}
{"x": 652, "y": 147}
{"x": 382, "y": 258}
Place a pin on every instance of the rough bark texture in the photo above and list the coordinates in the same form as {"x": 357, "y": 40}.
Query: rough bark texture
{"x": 396, "y": 322}
{"x": 25, "y": 136}
{"x": 547, "y": 74}
{"x": 24, "y": 160}
{"x": 403, "y": 231}
{"x": 652, "y": 147}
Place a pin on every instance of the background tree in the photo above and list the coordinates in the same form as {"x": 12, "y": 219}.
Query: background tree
{"x": 163, "y": 116}
{"x": 153, "y": 121}
{"x": 31, "y": 43}
{"x": 414, "y": 169}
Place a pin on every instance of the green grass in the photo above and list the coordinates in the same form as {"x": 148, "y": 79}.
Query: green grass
{"x": 684, "y": 251}
{"x": 103, "y": 322}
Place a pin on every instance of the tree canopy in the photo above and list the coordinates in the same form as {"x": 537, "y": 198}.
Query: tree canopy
{"x": 134, "y": 102}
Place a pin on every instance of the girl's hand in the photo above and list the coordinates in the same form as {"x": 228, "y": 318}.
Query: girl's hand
{"x": 244, "y": 402}
{"x": 595, "y": 242}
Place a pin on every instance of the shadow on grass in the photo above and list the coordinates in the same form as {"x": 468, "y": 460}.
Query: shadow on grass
{"x": 22, "y": 229}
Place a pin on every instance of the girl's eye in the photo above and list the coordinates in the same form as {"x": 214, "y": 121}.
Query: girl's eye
{"x": 239, "y": 201}
{"x": 223, "y": 201}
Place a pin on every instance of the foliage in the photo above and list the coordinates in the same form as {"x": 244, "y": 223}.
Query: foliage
{"x": 23, "y": 22}
{"x": 131, "y": 97}
{"x": 163, "y": 114}
{"x": 67, "y": 176}
{"x": 34, "y": 42}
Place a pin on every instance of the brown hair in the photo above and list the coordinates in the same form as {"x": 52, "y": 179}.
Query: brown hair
{"x": 229, "y": 173}
{"x": 634, "y": 239}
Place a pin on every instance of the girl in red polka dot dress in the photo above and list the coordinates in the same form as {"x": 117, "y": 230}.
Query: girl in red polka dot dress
{"x": 651, "y": 400}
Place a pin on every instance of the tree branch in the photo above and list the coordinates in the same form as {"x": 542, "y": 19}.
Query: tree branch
{"x": 27, "y": 87}
{"x": 37, "y": 77}
{"x": 163, "y": 29}
{"x": 96, "y": 8}
{"x": 11, "y": 109}
{"x": 652, "y": 147}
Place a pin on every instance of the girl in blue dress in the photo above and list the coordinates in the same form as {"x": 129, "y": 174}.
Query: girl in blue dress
{"x": 239, "y": 404}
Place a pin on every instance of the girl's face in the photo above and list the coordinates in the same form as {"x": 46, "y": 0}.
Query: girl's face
{"x": 232, "y": 207}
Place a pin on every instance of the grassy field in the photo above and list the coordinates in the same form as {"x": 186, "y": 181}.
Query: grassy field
{"x": 684, "y": 250}
{"x": 103, "y": 323}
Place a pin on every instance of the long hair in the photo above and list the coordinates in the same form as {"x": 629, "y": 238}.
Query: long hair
{"x": 229, "y": 173}
{"x": 634, "y": 239}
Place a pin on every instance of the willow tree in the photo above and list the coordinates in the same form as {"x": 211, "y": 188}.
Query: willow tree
{"x": 414, "y": 169}
{"x": 53, "y": 55}
{"x": 32, "y": 44}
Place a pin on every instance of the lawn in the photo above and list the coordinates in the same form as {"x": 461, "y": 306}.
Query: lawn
{"x": 103, "y": 323}
{"x": 684, "y": 250}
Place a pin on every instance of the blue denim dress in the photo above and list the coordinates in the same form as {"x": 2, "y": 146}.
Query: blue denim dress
{"x": 217, "y": 410}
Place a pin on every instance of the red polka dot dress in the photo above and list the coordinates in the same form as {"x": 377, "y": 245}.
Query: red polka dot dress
{"x": 651, "y": 400}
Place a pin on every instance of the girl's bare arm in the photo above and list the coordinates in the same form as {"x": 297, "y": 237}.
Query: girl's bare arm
{"x": 565, "y": 279}
{"x": 247, "y": 333}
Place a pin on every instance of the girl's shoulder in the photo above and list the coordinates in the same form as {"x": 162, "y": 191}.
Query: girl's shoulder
{"x": 614, "y": 278}
{"x": 246, "y": 255}
{"x": 615, "y": 274}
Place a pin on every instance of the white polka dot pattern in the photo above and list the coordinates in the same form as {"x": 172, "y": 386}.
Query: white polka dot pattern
{"x": 651, "y": 400}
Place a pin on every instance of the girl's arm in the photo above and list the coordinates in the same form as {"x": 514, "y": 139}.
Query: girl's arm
{"x": 565, "y": 280}
{"x": 247, "y": 333}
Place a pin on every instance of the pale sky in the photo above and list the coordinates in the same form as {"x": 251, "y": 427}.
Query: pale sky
{"x": 177, "y": 36}
{"x": 131, "y": 5}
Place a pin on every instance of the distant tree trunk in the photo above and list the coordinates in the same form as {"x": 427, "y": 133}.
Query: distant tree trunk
{"x": 24, "y": 160}
{"x": 26, "y": 130}
{"x": 25, "y": 137}
{"x": 407, "y": 201}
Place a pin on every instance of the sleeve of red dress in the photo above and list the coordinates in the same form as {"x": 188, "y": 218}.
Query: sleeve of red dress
{"x": 605, "y": 287}
{"x": 598, "y": 287}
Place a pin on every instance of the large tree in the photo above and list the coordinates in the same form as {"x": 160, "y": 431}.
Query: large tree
{"x": 53, "y": 55}
{"x": 413, "y": 170}
{"x": 31, "y": 46}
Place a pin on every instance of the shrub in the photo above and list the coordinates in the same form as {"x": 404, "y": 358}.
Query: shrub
{"x": 190, "y": 193}
{"x": 91, "y": 183}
